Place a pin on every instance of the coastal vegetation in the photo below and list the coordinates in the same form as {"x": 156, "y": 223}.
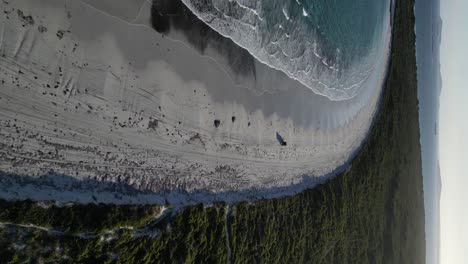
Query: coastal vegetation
{"x": 76, "y": 217}
{"x": 371, "y": 213}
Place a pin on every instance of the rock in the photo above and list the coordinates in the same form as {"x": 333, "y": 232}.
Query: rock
{"x": 42, "y": 29}
{"x": 27, "y": 20}
{"x": 60, "y": 34}
{"x": 153, "y": 124}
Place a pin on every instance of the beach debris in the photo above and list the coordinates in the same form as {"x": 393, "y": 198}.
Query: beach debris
{"x": 60, "y": 33}
{"x": 280, "y": 139}
{"x": 41, "y": 29}
{"x": 153, "y": 124}
{"x": 233, "y": 119}
{"x": 27, "y": 20}
{"x": 217, "y": 123}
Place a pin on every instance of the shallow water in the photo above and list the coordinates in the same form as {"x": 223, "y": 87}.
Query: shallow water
{"x": 329, "y": 46}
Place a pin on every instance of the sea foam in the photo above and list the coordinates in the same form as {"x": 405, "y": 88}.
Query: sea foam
{"x": 304, "y": 40}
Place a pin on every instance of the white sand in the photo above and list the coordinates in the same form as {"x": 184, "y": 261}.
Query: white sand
{"x": 76, "y": 114}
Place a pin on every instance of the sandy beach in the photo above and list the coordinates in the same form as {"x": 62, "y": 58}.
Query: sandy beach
{"x": 97, "y": 106}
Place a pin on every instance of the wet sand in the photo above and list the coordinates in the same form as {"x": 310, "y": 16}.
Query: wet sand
{"x": 100, "y": 98}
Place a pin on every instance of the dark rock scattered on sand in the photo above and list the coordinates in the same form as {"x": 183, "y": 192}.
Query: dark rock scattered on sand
{"x": 233, "y": 119}
{"x": 27, "y": 20}
{"x": 153, "y": 124}
{"x": 60, "y": 33}
{"x": 217, "y": 123}
{"x": 42, "y": 29}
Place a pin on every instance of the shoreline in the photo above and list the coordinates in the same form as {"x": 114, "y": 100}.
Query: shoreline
{"x": 228, "y": 154}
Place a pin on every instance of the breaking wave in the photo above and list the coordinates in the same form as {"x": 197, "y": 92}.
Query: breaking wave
{"x": 329, "y": 46}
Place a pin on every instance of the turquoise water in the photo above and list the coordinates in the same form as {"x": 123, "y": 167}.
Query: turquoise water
{"x": 351, "y": 26}
{"x": 331, "y": 46}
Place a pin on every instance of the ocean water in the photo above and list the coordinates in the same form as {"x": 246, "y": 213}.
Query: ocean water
{"x": 331, "y": 46}
{"x": 428, "y": 37}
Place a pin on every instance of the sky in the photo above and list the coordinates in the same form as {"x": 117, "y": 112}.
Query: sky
{"x": 453, "y": 123}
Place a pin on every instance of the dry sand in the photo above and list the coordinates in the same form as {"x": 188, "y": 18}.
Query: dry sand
{"x": 97, "y": 106}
